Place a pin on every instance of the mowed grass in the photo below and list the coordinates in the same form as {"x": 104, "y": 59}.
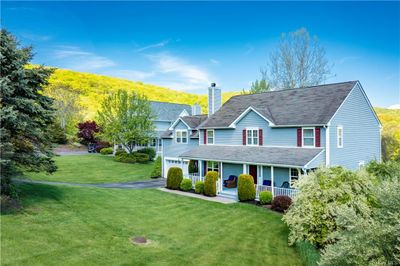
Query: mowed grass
{"x": 64, "y": 225}
{"x": 94, "y": 168}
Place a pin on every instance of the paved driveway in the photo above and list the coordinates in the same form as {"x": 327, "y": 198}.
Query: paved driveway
{"x": 156, "y": 183}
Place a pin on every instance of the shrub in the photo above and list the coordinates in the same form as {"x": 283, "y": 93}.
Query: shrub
{"x": 120, "y": 151}
{"x": 312, "y": 216}
{"x": 246, "y": 189}
{"x": 87, "y": 131}
{"x": 102, "y": 144}
{"x": 199, "y": 187}
{"x": 265, "y": 197}
{"x": 125, "y": 158}
{"x": 383, "y": 170}
{"x": 106, "y": 151}
{"x": 174, "y": 177}
{"x": 210, "y": 186}
{"x": 149, "y": 151}
{"x": 193, "y": 167}
{"x": 157, "y": 168}
{"x": 141, "y": 157}
{"x": 186, "y": 184}
{"x": 281, "y": 203}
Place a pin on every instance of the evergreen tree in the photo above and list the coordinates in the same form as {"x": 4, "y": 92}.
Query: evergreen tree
{"x": 25, "y": 113}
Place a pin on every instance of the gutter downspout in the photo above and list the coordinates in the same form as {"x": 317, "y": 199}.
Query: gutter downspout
{"x": 327, "y": 145}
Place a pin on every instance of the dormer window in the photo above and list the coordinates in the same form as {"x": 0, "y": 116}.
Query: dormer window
{"x": 308, "y": 137}
{"x": 252, "y": 136}
{"x": 181, "y": 136}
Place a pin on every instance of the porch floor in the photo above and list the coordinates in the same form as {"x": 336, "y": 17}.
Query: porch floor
{"x": 232, "y": 191}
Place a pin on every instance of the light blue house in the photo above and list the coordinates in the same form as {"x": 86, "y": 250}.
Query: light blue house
{"x": 276, "y": 136}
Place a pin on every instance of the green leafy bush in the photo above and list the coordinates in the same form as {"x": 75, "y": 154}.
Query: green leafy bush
{"x": 281, "y": 203}
{"x": 125, "y": 158}
{"x": 312, "y": 216}
{"x": 149, "y": 151}
{"x": 157, "y": 168}
{"x": 106, "y": 151}
{"x": 210, "y": 186}
{"x": 384, "y": 170}
{"x": 265, "y": 197}
{"x": 193, "y": 167}
{"x": 141, "y": 157}
{"x": 120, "y": 151}
{"x": 246, "y": 189}
{"x": 174, "y": 177}
{"x": 186, "y": 184}
{"x": 199, "y": 187}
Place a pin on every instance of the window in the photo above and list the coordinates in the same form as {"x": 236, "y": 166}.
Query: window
{"x": 181, "y": 136}
{"x": 210, "y": 136}
{"x": 212, "y": 166}
{"x": 252, "y": 136}
{"x": 340, "y": 137}
{"x": 308, "y": 137}
{"x": 294, "y": 176}
{"x": 153, "y": 142}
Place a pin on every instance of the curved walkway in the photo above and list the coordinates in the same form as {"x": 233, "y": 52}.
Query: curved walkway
{"x": 156, "y": 183}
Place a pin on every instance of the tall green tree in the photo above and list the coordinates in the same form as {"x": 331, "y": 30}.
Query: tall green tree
{"x": 298, "y": 61}
{"x": 127, "y": 119}
{"x": 25, "y": 113}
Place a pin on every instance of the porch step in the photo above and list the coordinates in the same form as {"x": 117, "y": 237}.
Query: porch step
{"x": 228, "y": 195}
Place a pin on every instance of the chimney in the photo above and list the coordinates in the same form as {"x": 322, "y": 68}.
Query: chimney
{"x": 214, "y": 99}
{"x": 196, "y": 109}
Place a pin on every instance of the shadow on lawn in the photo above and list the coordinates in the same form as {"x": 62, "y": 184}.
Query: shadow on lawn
{"x": 33, "y": 194}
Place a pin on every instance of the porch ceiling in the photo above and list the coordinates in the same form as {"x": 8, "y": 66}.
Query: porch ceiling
{"x": 298, "y": 157}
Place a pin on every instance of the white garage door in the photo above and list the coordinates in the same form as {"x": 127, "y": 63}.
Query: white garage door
{"x": 177, "y": 163}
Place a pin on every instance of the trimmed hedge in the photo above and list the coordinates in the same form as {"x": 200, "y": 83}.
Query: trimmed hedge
{"x": 134, "y": 157}
{"x": 174, "y": 177}
{"x": 265, "y": 197}
{"x": 120, "y": 151}
{"x": 106, "y": 151}
{"x": 149, "y": 151}
{"x": 157, "y": 168}
{"x": 246, "y": 189}
{"x": 199, "y": 187}
{"x": 210, "y": 186}
{"x": 281, "y": 203}
{"x": 186, "y": 184}
{"x": 141, "y": 157}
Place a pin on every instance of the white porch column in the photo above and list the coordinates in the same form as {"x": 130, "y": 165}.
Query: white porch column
{"x": 260, "y": 175}
{"x": 272, "y": 180}
{"x": 221, "y": 176}
{"x": 201, "y": 167}
{"x": 244, "y": 168}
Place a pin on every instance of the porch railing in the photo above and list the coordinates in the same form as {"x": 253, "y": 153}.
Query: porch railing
{"x": 195, "y": 177}
{"x": 278, "y": 191}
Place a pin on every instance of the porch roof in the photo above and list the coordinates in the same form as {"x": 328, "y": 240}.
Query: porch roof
{"x": 278, "y": 156}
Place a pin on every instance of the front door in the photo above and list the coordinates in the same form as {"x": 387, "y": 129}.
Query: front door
{"x": 253, "y": 172}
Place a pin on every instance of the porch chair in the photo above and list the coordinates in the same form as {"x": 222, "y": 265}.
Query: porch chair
{"x": 285, "y": 185}
{"x": 230, "y": 182}
{"x": 268, "y": 183}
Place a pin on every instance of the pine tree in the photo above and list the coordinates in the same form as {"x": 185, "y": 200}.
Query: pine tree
{"x": 25, "y": 113}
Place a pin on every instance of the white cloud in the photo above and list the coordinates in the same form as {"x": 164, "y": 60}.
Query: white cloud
{"x": 182, "y": 72}
{"x": 35, "y": 37}
{"x": 155, "y": 45}
{"x": 130, "y": 74}
{"x": 75, "y": 58}
{"x": 214, "y": 61}
{"x": 395, "y": 106}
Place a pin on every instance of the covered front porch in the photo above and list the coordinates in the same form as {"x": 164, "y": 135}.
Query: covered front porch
{"x": 274, "y": 169}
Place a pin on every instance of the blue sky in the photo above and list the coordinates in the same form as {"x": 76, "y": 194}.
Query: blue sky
{"x": 187, "y": 45}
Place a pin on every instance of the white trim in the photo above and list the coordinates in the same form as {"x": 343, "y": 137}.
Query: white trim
{"x": 290, "y": 176}
{"x": 339, "y": 145}
{"x": 272, "y": 181}
{"x": 316, "y": 156}
{"x": 233, "y": 124}
{"x": 327, "y": 146}
{"x": 252, "y": 137}
{"x": 244, "y": 168}
{"x": 213, "y": 131}
{"x": 187, "y": 136}
{"x": 302, "y": 137}
{"x": 300, "y": 125}
{"x": 184, "y": 113}
{"x": 176, "y": 122}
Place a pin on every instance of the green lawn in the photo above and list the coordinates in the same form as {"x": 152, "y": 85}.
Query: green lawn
{"x": 94, "y": 168}
{"x": 92, "y": 226}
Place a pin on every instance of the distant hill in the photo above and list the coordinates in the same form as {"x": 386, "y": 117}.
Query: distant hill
{"x": 390, "y": 119}
{"x": 92, "y": 89}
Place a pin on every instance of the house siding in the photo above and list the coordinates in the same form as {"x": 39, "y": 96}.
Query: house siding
{"x": 361, "y": 132}
{"x": 231, "y": 169}
{"x": 280, "y": 175}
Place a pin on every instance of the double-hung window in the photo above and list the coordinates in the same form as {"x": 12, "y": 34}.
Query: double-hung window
{"x": 252, "y": 136}
{"x": 212, "y": 166}
{"x": 308, "y": 137}
{"x": 294, "y": 176}
{"x": 210, "y": 136}
{"x": 340, "y": 137}
{"x": 181, "y": 136}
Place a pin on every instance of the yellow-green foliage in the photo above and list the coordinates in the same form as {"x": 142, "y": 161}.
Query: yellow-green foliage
{"x": 210, "y": 186}
{"x": 93, "y": 88}
{"x": 390, "y": 120}
{"x": 246, "y": 189}
{"x": 174, "y": 178}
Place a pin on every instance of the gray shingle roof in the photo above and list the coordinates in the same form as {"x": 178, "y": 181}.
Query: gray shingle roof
{"x": 306, "y": 106}
{"x": 262, "y": 155}
{"x": 194, "y": 121}
{"x": 168, "y": 111}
